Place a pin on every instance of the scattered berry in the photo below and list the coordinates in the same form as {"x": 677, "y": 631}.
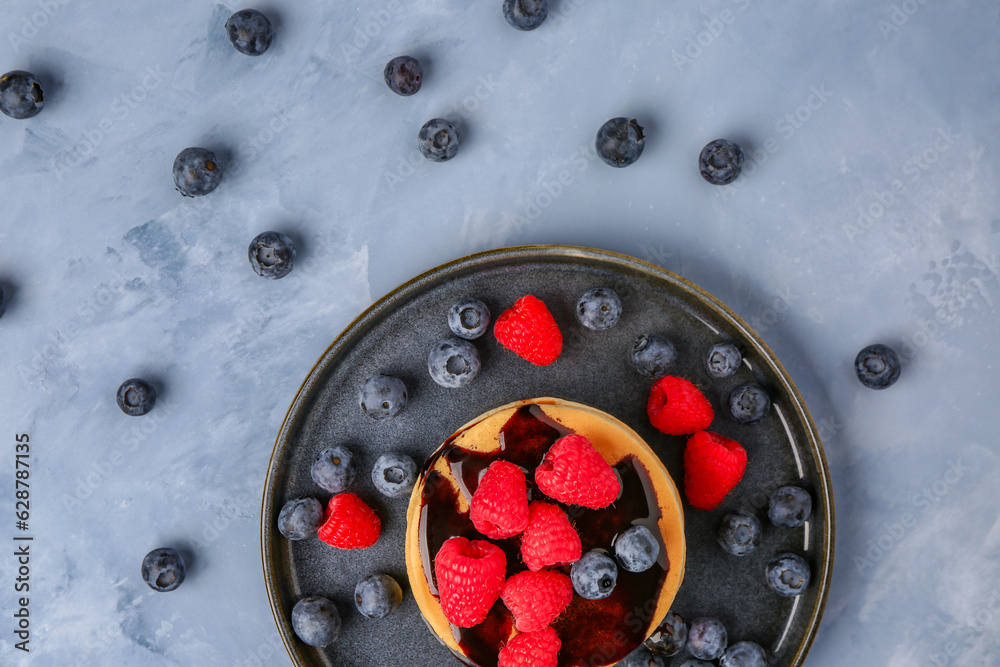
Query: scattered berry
{"x": 20, "y": 95}
{"x": 438, "y": 140}
{"x": 594, "y": 575}
{"x": 135, "y": 397}
{"x": 713, "y": 466}
{"x": 637, "y": 549}
{"x": 620, "y": 142}
{"x": 196, "y": 172}
{"x": 720, "y": 162}
{"x": 599, "y": 309}
{"x": 453, "y": 363}
{"x": 877, "y": 366}
{"x": 653, "y": 355}
{"x": 531, "y": 649}
{"x": 788, "y": 575}
{"x": 300, "y": 518}
{"x": 744, "y": 654}
{"x": 749, "y": 403}
{"x": 706, "y": 638}
{"x": 394, "y": 474}
{"x": 525, "y": 14}
{"x": 739, "y": 533}
{"x": 382, "y": 397}
{"x": 316, "y": 621}
{"x": 528, "y": 330}
{"x": 723, "y": 360}
{"x": 536, "y": 598}
{"x": 470, "y": 575}
{"x": 334, "y": 469}
{"x": 250, "y": 32}
{"x": 163, "y": 569}
{"x": 677, "y": 407}
{"x": 469, "y": 318}
{"x": 575, "y": 473}
{"x": 403, "y": 75}
{"x": 789, "y": 507}
{"x": 549, "y": 540}
{"x": 272, "y": 255}
{"x": 642, "y": 657}
{"x": 499, "y": 507}
{"x": 377, "y": 595}
{"x": 349, "y": 523}
{"x": 670, "y": 635}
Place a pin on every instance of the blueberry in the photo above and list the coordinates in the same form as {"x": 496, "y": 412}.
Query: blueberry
{"x": 453, "y": 363}
{"x": 394, "y": 474}
{"x": 382, "y": 397}
{"x": 438, "y": 140}
{"x": 877, "y": 366}
{"x": 136, "y": 397}
{"x": 788, "y": 575}
{"x": 723, "y": 360}
{"x": 706, "y": 638}
{"x": 748, "y": 403}
{"x": 403, "y": 75}
{"x": 636, "y": 549}
{"x": 525, "y": 14}
{"x": 469, "y": 319}
{"x": 196, "y": 172}
{"x": 377, "y": 595}
{"x": 599, "y": 309}
{"x": 642, "y": 657}
{"x": 250, "y": 32}
{"x": 334, "y": 469}
{"x": 594, "y": 576}
{"x": 272, "y": 255}
{"x": 744, "y": 654}
{"x": 721, "y": 162}
{"x": 316, "y": 621}
{"x": 20, "y": 95}
{"x": 163, "y": 569}
{"x": 653, "y": 355}
{"x": 670, "y": 635}
{"x": 790, "y": 507}
{"x": 300, "y": 518}
{"x": 620, "y": 142}
{"x": 739, "y": 533}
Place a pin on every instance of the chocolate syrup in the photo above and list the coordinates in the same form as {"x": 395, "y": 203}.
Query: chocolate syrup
{"x": 592, "y": 631}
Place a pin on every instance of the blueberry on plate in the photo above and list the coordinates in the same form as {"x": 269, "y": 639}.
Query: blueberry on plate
{"x": 377, "y": 595}
{"x": 723, "y": 360}
{"x": 620, "y": 142}
{"x": 196, "y": 172}
{"x": 272, "y": 255}
{"x": 599, "y": 308}
{"x": 739, "y": 533}
{"x": 636, "y": 549}
{"x": 877, "y": 366}
{"x": 594, "y": 576}
{"x": 135, "y": 397}
{"x": 403, "y": 75}
{"x": 316, "y": 621}
{"x": 394, "y": 474}
{"x": 300, "y": 518}
{"x": 525, "y": 14}
{"x": 469, "y": 318}
{"x": 642, "y": 657}
{"x": 438, "y": 140}
{"x": 453, "y": 363}
{"x": 788, "y": 575}
{"x": 744, "y": 654}
{"x": 653, "y": 355}
{"x": 720, "y": 162}
{"x": 334, "y": 469}
{"x": 382, "y": 397}
{"x": 163, "y": 569}
{"x": 706, "y": 638}
{"x": 749, "y": 403}
{"x": 789, "y": 507}
{"x": 250, "y": 32}
{"x": 20, "y": 95}
{"x": 670, "y": 635}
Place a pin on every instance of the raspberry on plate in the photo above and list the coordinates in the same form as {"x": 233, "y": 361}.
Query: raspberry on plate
{"x": 470, "y": 575}
{"x": 677, "y": 407}
{"x": 528, "y": 330}
{"x": 573, "y": 472}
{"x": 550, "y": 538}
{"x": 349, "y": 523}
{"x": 531, "y": 649}
{"x": 499, "y": 507}
{"x": 713, "y": 466}
{"x": 537, "y": 598}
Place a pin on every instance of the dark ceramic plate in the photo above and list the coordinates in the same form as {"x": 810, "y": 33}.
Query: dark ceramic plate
{"x": 394, "y": 337}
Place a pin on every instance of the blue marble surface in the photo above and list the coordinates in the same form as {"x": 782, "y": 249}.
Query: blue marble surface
{"x": 868, "y": 212}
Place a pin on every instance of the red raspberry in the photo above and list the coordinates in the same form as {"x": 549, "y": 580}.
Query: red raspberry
{"x": 677, "y": 407}
{"x": 528, "y": 329}
{"x": 549, "y": 539}
{"x": 713, "y": 466}
{"x": 470, "y": 575}
{"x": 349, "y": 523}
{"x": 573, "y": 472}
{"x": 531, "y": 649}
{"x": 499, "y": 507}
{"x": 537, "y": 598}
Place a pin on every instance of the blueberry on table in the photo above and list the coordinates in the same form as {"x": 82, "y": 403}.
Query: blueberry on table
{"x": 789, "y": 507}
{"x": 196, "y": 172}
{"x": 620, "y": 142}
{"x": 594, "y": 576}
{"x": 877, "y": 366}
{"x": 163, "y": 569}
{"x": 653, "y": 355}
{"x": 643, "y": 657}
{"x": 637, "y": 549}
{"x": 135, "y": 397}
{"x": 739, "y": 533}
{"x": 720, "y": 162}
{"x": 394, "y": 474}
{"x": 525, "y": 14}
{"x": 272, "y": 255}
{"x": 744, "y": 654}
{"x": 316, "y": 621}
{"x": 20, "y": 95}
{"x": 749, "y": 403}
{"x": 723, "y": 360}
{"x": 300, "y": 518}
{"x": 706, "y": 638}
{"x": 453, "y": 363}
{"x": 670, "y": 635}
{"x": 599, "y": 308}
{"x": 377, "y": 595}
{"x": 382, "y": 397}
{"x": 403, "y": 75}
{"x": 788, "y": 575}
{"x": 250, "y": 32}
{"x": 334, "y": 469}
{"x": 469, "y": 318}
{"x": 438, "y": 140}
